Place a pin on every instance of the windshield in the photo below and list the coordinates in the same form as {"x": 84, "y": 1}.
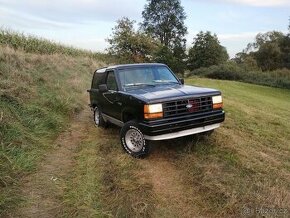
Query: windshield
{"x": 146, "y": 76}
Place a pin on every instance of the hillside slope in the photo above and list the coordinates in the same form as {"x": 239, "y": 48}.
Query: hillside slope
{"x": 243, "y": 166}
{"x": 38, "y": 95}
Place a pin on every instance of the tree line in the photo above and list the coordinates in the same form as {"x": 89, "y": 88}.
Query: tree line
{"x": 160, "y": 37}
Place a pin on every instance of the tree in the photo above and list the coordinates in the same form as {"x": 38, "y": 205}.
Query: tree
{"x": 206, "y": 51}
{"x": 164, "y": 20}
{"x": 171, "y": 58}
{"x": 130, "y": 46}
{"x": 270, "y": 50}
{"x": 269, "y": 56}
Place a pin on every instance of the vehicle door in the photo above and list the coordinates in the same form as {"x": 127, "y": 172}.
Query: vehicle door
{"x": 112, "y": 104}
{"x": 98, "y": 79}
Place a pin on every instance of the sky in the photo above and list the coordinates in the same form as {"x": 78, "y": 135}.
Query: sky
{"x": 87, "y": 23}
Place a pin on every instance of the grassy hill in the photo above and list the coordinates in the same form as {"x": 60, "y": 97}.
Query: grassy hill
{"x": 244, "y": 164}
{"x": 38, "y": 96}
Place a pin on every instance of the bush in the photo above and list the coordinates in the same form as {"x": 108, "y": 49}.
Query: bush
{"x": 228, "y": 71}
{"x": 232, "y": 71}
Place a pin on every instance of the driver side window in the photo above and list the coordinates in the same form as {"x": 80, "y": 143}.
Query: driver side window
{"x": 111, "y": 81}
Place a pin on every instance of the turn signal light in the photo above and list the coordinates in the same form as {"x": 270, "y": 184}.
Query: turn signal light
{"x": 153, "y": 116}
{"x": 217, "y": 106}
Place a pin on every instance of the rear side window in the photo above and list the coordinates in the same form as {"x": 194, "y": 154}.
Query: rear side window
{"x": 111, "y": 81}
{"x": 98, "y": 80}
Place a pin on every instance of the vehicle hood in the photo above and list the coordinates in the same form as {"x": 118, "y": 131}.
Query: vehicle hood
{"x": 165, "y": 93}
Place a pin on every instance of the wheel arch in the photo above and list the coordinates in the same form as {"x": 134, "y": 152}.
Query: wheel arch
{"x": 129, "y": 114}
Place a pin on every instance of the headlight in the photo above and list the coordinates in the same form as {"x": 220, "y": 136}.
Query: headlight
{"x": 217, "y": 102}
{"x": 153, "y": 111}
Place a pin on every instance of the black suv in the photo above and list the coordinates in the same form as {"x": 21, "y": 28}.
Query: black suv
{"x": 150, "y": 103}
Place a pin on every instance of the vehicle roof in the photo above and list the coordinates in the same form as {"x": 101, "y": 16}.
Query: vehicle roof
{"x": 121, "y": 66}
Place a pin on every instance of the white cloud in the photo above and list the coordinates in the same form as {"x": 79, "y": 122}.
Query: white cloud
{"x": 77, "y": 11}
{"x": 8, "y": 16}
{"x": 237, "y": 36}
{"x": 94, "y": 44}
{"x": 262, "y": 3}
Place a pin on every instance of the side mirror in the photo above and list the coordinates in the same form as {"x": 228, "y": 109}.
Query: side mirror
{"x": 181, "y": 80}
{"x": 103, "y": 88}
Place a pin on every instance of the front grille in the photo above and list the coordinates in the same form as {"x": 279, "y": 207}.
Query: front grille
{"x": 187, "y": 106}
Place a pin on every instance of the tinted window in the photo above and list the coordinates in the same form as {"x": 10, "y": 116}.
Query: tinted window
{"x": 111, "y": 81}
{"x": 97, "y": 80}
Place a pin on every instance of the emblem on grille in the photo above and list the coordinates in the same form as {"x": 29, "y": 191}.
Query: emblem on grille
{"x": 192, "y": 105}
{"x": 189, "y": 106}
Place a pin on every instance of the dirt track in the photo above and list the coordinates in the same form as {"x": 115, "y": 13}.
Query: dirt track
{"x": 44, "y": 189}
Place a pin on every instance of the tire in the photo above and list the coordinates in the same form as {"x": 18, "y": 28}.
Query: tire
{"x": 98, "y": 119}
{"x": 133, "y": 141}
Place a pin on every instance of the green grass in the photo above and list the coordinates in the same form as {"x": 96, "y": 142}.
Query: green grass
{"x": 246, "y": 161}
{"x": 105, "y": 182}
{"x": 38, "y": 96}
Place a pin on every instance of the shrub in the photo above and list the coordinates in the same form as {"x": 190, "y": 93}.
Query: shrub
{"x": 232, "y": 71}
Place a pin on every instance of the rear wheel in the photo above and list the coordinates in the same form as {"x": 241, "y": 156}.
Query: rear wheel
{"x": 133, "y": 141}
{"x": 98, "y": 119}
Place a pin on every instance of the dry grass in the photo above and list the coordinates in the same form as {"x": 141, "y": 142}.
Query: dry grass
{"x": 105, "y": 182}
{"x": 32, "y": 44}
{"x": 38, "y": 95}
{"x": 246, "y": 162}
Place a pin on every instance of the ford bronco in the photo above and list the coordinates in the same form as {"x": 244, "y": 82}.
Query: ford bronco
{"x": 149, "y": 103}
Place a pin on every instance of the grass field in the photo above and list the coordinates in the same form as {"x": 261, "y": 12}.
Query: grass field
{"x": 244, "y": 164}
{"x": 50, "y": 151}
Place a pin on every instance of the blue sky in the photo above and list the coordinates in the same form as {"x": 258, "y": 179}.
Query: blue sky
{"x": 87, "y": 23}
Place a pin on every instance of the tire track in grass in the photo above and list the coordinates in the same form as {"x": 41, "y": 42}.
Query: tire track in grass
{"x": 173, "y": 200}
{"x": 43, "y": 190}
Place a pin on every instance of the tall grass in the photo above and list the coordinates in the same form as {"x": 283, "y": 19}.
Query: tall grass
{"x": 33, "y": 44}
{"x": 38, "y": 94}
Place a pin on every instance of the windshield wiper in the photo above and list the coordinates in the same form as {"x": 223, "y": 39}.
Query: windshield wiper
{"x": 138, "y": 84}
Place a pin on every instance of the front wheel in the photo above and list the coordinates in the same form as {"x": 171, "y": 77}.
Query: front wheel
{"x": 133, "y": 141}
{"x": 98, "y": 119}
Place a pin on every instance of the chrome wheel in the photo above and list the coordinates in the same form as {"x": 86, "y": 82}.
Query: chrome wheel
{"x": 97, "y": 116}
{"x": 134, "y": 140}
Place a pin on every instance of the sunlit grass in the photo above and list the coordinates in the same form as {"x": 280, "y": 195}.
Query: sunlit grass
{"x": 38, "y": 96}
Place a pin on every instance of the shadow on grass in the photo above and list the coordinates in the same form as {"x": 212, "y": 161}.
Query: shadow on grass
{"x": 198, "y": 143}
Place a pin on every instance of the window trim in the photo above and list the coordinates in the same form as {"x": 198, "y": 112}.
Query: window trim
{"x": 120, "y": 87}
